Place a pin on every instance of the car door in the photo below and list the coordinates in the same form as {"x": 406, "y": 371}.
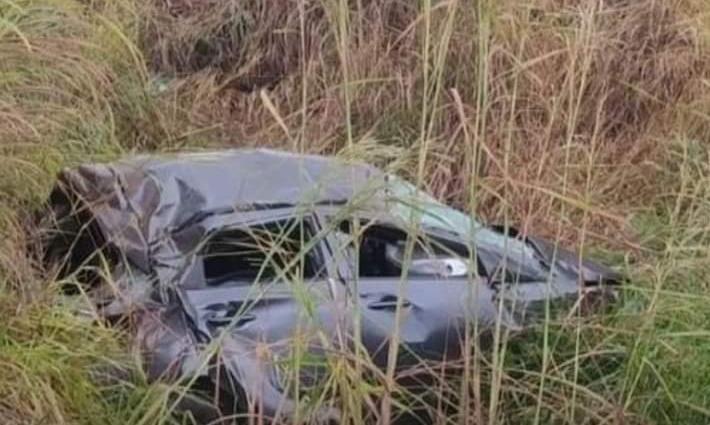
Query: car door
{"x": 267, "y": 289}
{"x": 433, "y": 308}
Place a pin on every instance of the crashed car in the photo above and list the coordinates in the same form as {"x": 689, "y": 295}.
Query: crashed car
{"x": 226, "y": 258}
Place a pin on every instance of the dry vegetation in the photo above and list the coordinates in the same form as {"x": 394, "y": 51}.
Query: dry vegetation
{"x": 583, "y": 120}
{"x": 585, "y": 92}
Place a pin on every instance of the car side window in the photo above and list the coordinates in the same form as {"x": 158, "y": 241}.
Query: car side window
{"x": 374, "y": 250}
{"x": 261, "y": 253}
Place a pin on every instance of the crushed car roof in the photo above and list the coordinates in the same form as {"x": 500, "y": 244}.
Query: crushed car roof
{"x": 138, "y": 202}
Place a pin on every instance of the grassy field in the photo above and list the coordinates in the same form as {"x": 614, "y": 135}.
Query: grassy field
{"x": 585, "y": 121}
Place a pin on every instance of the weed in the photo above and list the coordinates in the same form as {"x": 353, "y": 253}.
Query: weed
{"x": 583, "y": 121}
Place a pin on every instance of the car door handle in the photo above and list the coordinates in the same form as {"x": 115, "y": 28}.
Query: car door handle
{"x": 227, "y": 320}
{"x": 388, "y": 303}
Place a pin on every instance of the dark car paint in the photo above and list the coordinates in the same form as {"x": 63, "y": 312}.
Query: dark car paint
{"x": 434, "y": 314}
{"x": 153, "y": 214}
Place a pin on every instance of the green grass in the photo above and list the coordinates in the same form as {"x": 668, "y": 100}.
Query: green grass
{"x": 584, "y": 122}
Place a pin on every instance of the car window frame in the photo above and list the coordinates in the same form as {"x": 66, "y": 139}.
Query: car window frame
{"x": 262, "y": 217}
{"x": 345, "y": 272}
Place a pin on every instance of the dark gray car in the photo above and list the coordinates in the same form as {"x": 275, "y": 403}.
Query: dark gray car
{"x": 227, "y": 260}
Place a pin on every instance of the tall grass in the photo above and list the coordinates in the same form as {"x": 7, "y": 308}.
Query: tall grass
{"x": 583, "y": 121}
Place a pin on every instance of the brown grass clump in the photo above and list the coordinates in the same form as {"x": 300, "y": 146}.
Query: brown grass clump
{"x": 562, "y": 100}
{"x": 593, "y": 84}
{"x": 294, "y": 52}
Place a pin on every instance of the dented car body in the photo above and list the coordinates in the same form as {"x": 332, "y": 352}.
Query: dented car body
{"x": 232, "y": 258}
